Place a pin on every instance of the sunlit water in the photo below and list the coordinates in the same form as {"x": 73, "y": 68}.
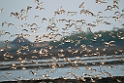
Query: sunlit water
{"x": 116, "y": 70}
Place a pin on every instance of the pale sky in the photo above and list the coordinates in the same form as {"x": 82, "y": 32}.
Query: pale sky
{"x": 50, "y": 7}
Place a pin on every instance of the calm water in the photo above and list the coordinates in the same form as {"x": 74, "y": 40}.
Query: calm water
{"x": 115, "y": 70}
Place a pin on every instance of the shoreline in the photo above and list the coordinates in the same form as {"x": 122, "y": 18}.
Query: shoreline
{"x": 19, "y": 67}
{"x": 95, "y": 51}
{"x": 113, "y": 79}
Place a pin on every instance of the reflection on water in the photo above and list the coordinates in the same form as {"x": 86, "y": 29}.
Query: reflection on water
{"x": 60, "y": 72}
{"x": 61, "y": 60}
{"x": 43, "y": 73}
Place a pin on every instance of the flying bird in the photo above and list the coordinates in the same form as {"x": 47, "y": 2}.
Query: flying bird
{"x": 29, "y": 7}
{"x": 36, "y": 16}
{"x": 43, "y": 19}
{"x": 100, "y": 2}
{"x": 36, "y": 1}
{"x": 10, "y": 24}
{"x": 4, "y": 23}
{"x": 1, "y": 10}
{"x": 81, "y": 5}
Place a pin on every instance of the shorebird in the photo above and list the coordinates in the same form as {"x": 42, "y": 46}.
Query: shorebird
{"x": 72, "y": 13}
{"x": 33, "y": 24}
{"x": 115, "y": 6}
{"x": 123, "y": 10}
{"x": 117, "y": 13}
{"x": 82, "y": 78}
{"x": 6, "y": 41}
{"x": 44, "y": 19}
{"x": 115, "y": 2}
{"x": 39, "y": 8}
{"x": 5, "y": 77}
{"x": 1, "y": 10}
{"x": 34, "y": 29}
{"x": 9, "y": 74}
{"x": 116, "y": 18}
{"x": 109, "y": 8}
{"x": 22, "y": 10}
{"x": 107, "y": 23}
{"x": 106, "y": 73}
{"x": 4, "y": 23}
{"x": 100, "y": 2}
{"x": 2, "y": 49}
{"x": 81, "y": 5}
{"x": 36, "y": 1}
{"x": 36, "y": 16}
{"x": 22, "y": 18}
{"x": 12, "y": 13}
{"x": 10, "y": 24}
{"x": 66, "y": 28}
{"x": 118, "y": 80}
{"x": 91, "y": 31}
{"x": 25, "y": 30}
{"x": 6, "y": 33}
{"x": 40, "y": 3}
{"x": 29, "y": 7}
{"x": 32, "y": 72}
{"x": 42, "y": 9}
{"x": 12, "y": 36}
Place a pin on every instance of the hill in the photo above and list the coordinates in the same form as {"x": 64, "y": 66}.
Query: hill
{"x": 100, "y": 38}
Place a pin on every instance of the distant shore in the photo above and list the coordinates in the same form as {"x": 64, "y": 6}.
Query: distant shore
{"x": 114, "y": 79}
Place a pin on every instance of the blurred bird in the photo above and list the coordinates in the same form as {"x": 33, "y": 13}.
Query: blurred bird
{"x": 10, "y": 24}
{"x": 29, "y": 7}
{"x": 100, "y": 2}
{"x": 81, "y": 5}
{"x": 43, "y": 19}
{"x": 4, "y": 23}
{"x": 36, "y": 16}
{"x": 36, "y": 1}
{"x": 1, "y": 10}
{"x": 6, "y": 33}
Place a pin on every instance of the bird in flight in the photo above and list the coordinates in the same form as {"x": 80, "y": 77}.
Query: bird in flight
{"x": 1, "y": 10}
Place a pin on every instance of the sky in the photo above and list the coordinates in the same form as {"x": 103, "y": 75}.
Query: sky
{"x": 50, "y": 7}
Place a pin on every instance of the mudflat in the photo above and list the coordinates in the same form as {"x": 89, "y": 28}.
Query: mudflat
{"x": 114, "y": 79}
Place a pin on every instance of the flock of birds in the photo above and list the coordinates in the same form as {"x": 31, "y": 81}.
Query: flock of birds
{"x": 54, "y": 32}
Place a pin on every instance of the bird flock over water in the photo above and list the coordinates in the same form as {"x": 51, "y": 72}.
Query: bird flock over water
{"x": 54, "y": 30}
